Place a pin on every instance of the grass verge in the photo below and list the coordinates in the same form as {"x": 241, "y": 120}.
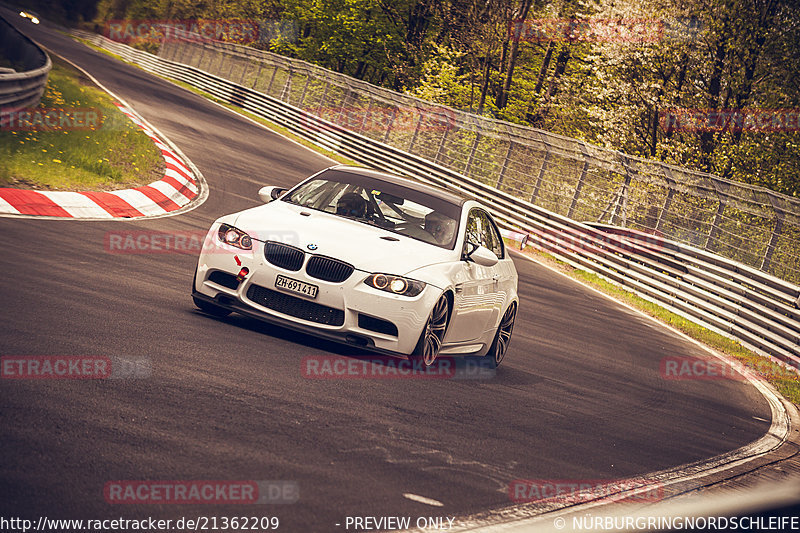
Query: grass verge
{"x": 111, "y": 153}
{"x": 785, "y": 381}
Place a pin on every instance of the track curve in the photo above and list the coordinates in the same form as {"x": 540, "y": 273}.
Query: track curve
{"x": 579, "y": 396}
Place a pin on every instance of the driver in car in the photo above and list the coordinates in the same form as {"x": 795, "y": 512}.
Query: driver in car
{"x": 352, "y": 205}
{"x": 441, "y": 227}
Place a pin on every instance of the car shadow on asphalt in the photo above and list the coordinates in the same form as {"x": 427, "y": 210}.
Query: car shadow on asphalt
{"x": 463, "y": 368}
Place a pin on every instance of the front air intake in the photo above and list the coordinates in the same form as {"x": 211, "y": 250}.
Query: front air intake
{"x": 296, "y": 307}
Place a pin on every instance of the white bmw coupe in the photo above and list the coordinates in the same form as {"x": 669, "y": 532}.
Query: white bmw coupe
{"x": 367, "y": 259}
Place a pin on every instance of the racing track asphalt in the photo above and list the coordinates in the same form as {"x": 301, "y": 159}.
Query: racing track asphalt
{"x": 579, "y": 397}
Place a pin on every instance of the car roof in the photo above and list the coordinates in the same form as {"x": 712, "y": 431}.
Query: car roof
{"x": 437, "y": 192}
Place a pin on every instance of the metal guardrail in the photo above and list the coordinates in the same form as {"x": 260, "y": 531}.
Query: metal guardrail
{"x": 23, "y": 88}
{"x": 746, "y": 223}
{"x": 758, "y": 309}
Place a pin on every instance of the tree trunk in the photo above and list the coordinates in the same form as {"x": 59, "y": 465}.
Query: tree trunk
{"x": 501, "y": 68}
{"x": 360, "y": 68}
{"x": 418, "y": 20}
{"x": 519, "y": 15}
{"x": 678, "y": 88}
{"x": 751, "y": 61}
{"x": 530, "y": 116}
{"x": 654, "y": 132}
{"x": 487, "y": 65}
{"x": 545, "y": 65}
{"x": 707, "y": 141}
{"x": 561, "y": 66}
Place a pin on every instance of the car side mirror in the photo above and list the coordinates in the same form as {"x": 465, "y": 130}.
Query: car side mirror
{"x": 270, "y": 192}
{"x": 481, "y": 255}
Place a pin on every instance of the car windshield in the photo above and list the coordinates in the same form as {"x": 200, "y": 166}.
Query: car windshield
{"x": 387, "y": 205}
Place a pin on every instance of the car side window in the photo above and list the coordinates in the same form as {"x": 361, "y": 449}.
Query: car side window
{"x": 494, "y": 241}
{"x": 481, "y": 230}
{"x": 473, "y": 233}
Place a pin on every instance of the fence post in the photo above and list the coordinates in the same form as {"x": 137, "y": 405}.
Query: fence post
{"x": 244, "y": 71}
{"x": 621, "y": 204}
{"x": 472, "y": 152}
{"x": 581, "y": 178}
{"x": 714, "y": 229}
{"x": 258, "y": 75}
{"x": 271, "y": 80}
{"x": 542, "y": 171}
{"x": 611, "y": 207}
{"x": 305, "y": 88}
{"x": 504, "y": 168}
{"x": 668, "y": 200}
{"x": 773, "y": 243}
{"x": 416, "y": 132}
{"x": 202, "y": 54}
{"x": 766, "y": 263}
{"x": 441, "y": 146}
{"x": 389, "y": 126}
{"x": 287, "y": 87}
{"x": 230, "y": 70}
{"x": 324, "y": 96}
{"x": 338, "y": 120}
{"x": 366, "y": 115}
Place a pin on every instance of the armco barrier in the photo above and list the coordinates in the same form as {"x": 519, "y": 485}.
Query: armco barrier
{"x": 756, "y": 308}
{"x": 746, "y": 223}
{"x": 24, "y": 87}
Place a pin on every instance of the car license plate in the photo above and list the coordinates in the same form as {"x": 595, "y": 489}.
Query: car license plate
{"x": 299, "y": 287}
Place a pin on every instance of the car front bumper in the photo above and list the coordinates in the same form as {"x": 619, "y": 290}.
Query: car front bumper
{"x": 352, "y": 298}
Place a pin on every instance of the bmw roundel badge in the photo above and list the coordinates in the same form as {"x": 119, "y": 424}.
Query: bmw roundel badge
{"x": 312, "y": 246}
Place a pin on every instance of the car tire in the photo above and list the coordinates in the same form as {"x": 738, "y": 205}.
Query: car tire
{"x": 430, "y": 341}
{"x": 207, "y": 307}
{"x": 499, "y": 348}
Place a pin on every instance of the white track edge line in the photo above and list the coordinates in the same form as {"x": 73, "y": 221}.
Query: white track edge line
{"x": 775, "y": 436}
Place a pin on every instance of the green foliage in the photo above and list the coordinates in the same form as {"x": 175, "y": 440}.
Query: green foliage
{"x": 695, "y": 54}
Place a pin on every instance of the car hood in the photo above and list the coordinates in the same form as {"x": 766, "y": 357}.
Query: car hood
{"x": 359, "y": 244}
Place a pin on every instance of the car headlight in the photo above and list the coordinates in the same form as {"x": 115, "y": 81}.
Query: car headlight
{"x": 235, "y": 237}
{"x": 395, "y": 284}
